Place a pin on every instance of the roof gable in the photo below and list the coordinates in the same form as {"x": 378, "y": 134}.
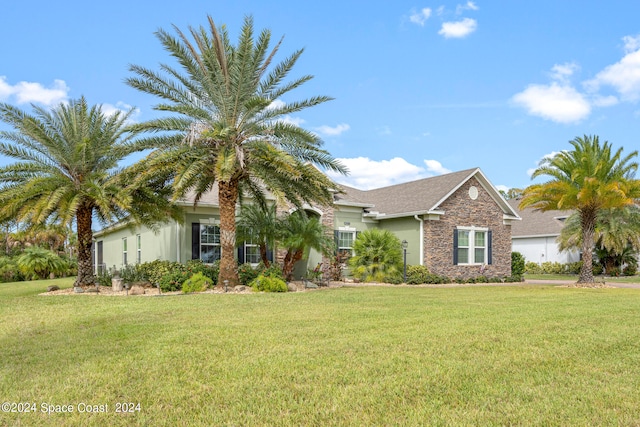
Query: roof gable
{"x": 421, "y": 196}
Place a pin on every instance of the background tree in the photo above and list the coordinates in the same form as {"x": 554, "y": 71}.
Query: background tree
{"x": 230, "y": 129}
{"x": 67, "y": 171}
{"x": 587, "y": 179}
{"x": 378, "y": 256}
{"x": 300, "y": 233}
{"x": 616, "y": 235}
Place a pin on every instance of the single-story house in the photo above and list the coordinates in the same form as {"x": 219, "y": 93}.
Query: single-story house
{"x": 536, "y": 235}
{"x": 456, "y": 224}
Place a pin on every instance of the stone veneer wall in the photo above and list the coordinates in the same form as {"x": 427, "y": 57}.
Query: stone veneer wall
{"x": 461, "y": 210}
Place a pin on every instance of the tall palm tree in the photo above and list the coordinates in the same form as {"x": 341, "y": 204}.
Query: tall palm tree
{"x": 587, "y": 179}
{"x": 261, "y": 226}
{"x": 230, "y": 126}
{"x": 298, "y": 234}
{"x": 67, "y": 172}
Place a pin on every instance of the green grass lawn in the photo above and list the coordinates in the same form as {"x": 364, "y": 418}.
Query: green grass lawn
{"x": 521, "y": 355}
{"x": 608, "y": 279}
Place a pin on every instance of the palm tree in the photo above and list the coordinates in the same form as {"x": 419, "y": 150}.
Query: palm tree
{"x": 67, "y": 172}
{"x": 231, "y": 126}
{"x": 378, "y": 255}
{"x": 299, "y": 234}
{"x": 587, "y": 179}
{"x": 261, "y": 226}
{"x": 617, "y": 231}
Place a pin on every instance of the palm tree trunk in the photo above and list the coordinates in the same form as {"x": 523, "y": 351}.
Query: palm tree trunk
{"x": 289, "y": 262}
{"x": 85, "y": 238}
{"x": 588, "y": 222}
{"x": 228, "y": 196}
{"x": 263, "y": 255}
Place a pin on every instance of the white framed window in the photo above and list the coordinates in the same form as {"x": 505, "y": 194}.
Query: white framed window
{"x": 209, "y": 243}
{"x": 345, "y": 236}
{"x": 251, "y": 252}
{"x": 472, "y": 246}
{"x": 138, "y": 249}
{"x": 124, "y": 251}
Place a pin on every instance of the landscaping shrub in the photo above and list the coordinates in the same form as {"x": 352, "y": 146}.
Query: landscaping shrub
{"x": 104, "y": 277}
{"x": 247, "y": 273}
{"x": 38, "y": 263}
{"x": 378, "y": 256}
{"x": 630, "y": 270}
{"x": 210, "y": 271}
{"x": 531, "y": 267}
{"x": 196, "y": 283}
{"x": 517, "y": 264}
{"x": 133, "y": 273}
{"x": 417, "y": 274}
{"x": 9, "y": 271}
{"x": 573, "y": 267}
{"x": 274, "y": 270}
{"x": 597, "y": 269}
{"x": 264, "y": 283}
{"x": 173, "y": 280}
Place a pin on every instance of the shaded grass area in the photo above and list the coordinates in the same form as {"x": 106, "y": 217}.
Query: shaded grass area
{"x": 352, "y": 356}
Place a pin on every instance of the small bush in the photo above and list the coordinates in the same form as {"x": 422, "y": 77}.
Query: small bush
{"x": 517, "y": 264}
{"x": 573, "y": 267}
{"x": 246, "y": 273}
{"x": 196, "y": 283}
{"x": 264, "y": 283}
{"x": 9, "y": 270}
{"x": 531, "y": 267}
{"x": 630, "y": 270}
{"x": 103, "y": 278}
{"x": 173, "y": 280}
{"x": 132, "y": 273}
{"x": 394, "y": 279}
{"x": 274, "y": 270}
{"x": 209, "y": 271}
{"x": 417, "y": 274}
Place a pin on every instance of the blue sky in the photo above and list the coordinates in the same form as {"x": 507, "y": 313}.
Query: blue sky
{"x": 420, "y": 87}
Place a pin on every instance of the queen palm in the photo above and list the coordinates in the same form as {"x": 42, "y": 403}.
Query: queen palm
{"x": 67, "y": 172}
{"x": 587, "y": 179}
{"x": 230, "y": 127}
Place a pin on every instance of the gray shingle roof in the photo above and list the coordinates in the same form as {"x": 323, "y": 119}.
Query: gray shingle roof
{"x": 537, "y": 223}
{"x": 417, "y": 197}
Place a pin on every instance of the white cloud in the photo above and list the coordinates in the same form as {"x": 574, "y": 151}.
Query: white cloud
{"x": 109, "y": 110}
{"x": 623, "y": 76}
{"x": 467, "y": 6}
{"x": 333, "y": 131}
{"x": 562, "y": 72}
{"x": 288, "y": 119}
{"x": 556, "y": 102}
{"x": 502, "y": 188}
{"x": 604, "y": 101}
{"x": 434, "y": 167}
{"x": 26, "y": 92}
{"x": 366, "y": 174}
{"x": 631, "y": 43}
{"x": 458, "y": 29}
{"x": 542, "y": 160}
{"x": 420, "y": 17}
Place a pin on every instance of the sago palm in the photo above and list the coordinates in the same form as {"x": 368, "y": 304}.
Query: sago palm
{"x": 67, "y": 172}
{"x": 587, "y": 179}
{"x": 229, "y": 126}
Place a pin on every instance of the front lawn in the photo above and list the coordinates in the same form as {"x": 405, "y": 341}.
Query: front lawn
{"x": 574, "y": 277}
{"x": 525, "y": 355}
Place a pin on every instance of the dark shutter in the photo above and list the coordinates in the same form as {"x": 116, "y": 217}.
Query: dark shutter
{"x": 455, "y": 246}
{"x": 195, "y": 240}
{"x": 489, "y": 248}
{"x": 335, "y": 241}
{"x": 241, "y": 259}
{"x": 269, "y": 254}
